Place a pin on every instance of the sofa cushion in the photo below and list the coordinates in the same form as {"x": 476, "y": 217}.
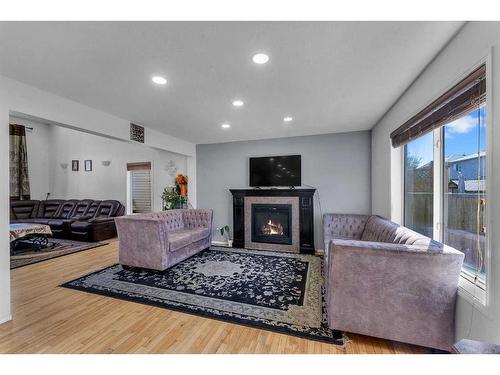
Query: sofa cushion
{"x": 80, "y": 208}
{"x": 66, "y": 209}
{"x": 23, "y": 209}
{"x": 108, "y": 208}
{"x": 92, "y": 209}
{"x": 40, "y": 220}
{"x": 48, "y": 209}
{"x": 80, "y": 226}
{"x": 178, "y": 239}
{"x": 199, "y": 234}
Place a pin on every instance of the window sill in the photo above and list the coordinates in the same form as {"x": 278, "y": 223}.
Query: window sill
{"x": 472, "y": 293}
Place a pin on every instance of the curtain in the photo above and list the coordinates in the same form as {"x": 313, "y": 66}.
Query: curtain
{"x": 19, "y": 178}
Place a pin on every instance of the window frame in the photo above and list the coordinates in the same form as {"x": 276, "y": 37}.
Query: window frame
{"x": 477, "y": 293}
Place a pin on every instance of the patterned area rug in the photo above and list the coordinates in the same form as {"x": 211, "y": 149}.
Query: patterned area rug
{"x": 277, "y": 291}
{"x": 57, "y": 247}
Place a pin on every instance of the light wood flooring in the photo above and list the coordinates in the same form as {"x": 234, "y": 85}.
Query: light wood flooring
{"x": 50, "y": 319}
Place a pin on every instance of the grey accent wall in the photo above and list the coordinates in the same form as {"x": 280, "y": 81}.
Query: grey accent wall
{"x": 337, "y": 165}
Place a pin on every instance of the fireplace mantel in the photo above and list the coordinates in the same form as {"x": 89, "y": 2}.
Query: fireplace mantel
{"x": 306, "y": 213}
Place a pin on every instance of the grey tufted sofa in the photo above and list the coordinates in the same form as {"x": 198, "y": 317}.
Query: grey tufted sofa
{"x": 385, "y": 280}
{"x": 162, "y": 239}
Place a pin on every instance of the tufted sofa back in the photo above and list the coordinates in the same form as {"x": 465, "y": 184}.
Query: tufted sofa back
{"x": 171, "y": 218}
{"x": 343, "y": 226}
{"x": 197, "y": 218}
{"x": 371, "y": 228}
{"x": 378, "y": 229}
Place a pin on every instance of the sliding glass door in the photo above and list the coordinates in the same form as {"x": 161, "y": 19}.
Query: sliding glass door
{"x": 448, "y": 167}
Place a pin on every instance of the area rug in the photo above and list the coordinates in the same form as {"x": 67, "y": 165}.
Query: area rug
{"x": 269, "y": 290}
{"x": 57, "y": 247}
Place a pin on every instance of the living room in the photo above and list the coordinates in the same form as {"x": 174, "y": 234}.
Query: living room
{"x": 249, "y": 187}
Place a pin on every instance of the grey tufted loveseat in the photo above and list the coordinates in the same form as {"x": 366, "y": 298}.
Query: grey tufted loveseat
{"x": 385, "y": 280}
{"x": 162, "y": 239}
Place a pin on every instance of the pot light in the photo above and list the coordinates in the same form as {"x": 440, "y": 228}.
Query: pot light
{"x": 260, "y": 58}
{"x": 287, "y": 118}
{"x": 225, "y": 126}
{"x": 159, "y": 80}
{"x": 238, "y": 103}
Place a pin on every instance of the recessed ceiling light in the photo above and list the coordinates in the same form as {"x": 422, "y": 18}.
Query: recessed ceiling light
{"x": 260, "y": 58}
{"x": 225, "y": 126}
{"x": 238, "y": 103}
{"x": 287, "y": 118}
{"x": 159, "y": 80}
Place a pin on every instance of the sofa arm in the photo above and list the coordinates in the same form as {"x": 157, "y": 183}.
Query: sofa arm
{"x": 399, "y": 292}
{"x": 143, "y": 241}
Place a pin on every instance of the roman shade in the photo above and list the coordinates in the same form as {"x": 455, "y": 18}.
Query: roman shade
{"x": 139, "y": 166}
{"x": 466, "y": 95}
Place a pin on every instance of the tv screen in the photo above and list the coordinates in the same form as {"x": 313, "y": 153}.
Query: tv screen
{"x": 275, "y": 171}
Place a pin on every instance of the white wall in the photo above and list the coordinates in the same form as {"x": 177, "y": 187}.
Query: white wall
{"x": 337, "y": 165}
{"x": 16, "y": 97}
{"x": 475, "y": 41}
{"x": 50, "y": 145}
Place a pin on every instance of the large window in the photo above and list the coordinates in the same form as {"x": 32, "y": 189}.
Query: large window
{"x": 464, "y": 198}
{"x": 419, "y": 185}
{"x": 445, "y": 172}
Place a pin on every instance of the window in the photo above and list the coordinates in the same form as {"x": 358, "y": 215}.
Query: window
{"x": 139, "y": 188}
{"x": 464, "y": 146}
{"x": 445, "y": 159}
{"x": 419, "y": 185}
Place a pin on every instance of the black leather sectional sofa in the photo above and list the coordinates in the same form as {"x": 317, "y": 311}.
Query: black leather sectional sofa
{"x": 80, "y": 220}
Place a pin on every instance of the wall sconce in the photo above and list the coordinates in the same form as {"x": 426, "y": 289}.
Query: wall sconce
{"x": 106, "y": 163}
{"x": 64, "y": 165}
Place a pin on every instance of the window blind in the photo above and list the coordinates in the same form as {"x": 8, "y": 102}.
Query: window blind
{"x": 460, "y": 99}
{"x": 140, "y": 187}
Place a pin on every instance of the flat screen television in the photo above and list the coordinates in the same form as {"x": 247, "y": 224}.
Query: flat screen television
{"x": 275, "y": 171}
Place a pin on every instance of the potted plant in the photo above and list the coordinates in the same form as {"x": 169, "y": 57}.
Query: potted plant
{"x": 225, "y": 231}
{"x": 172, "y": 200}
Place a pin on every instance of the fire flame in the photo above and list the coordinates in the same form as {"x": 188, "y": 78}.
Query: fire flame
{"x": 273, "y": 228}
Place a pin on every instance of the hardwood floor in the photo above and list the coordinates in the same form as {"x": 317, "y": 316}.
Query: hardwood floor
{"x": 50, "y": 319}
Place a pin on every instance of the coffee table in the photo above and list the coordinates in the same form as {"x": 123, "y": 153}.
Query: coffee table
{"x": 37, "y": 234}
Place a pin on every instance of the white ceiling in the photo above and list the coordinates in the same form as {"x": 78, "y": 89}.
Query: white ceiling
{"x": 330, "y": 76}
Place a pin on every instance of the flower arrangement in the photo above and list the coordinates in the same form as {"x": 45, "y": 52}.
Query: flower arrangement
{"x": 172, "y": 200}
{"x": 181, "y": 179}
{"x": 181, "y": 182}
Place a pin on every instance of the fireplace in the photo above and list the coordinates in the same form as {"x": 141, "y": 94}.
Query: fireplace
{"x": 272, "y": 223}
{"x": 296, "y": 233}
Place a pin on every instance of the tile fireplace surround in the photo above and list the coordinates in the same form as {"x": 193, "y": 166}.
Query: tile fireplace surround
{"x": 294, "y": 201}
{"x": 302, "y": 223}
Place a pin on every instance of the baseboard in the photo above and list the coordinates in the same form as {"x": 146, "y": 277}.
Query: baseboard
{"x": 219, "y": 243}
{"x": 5, "y": 319}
